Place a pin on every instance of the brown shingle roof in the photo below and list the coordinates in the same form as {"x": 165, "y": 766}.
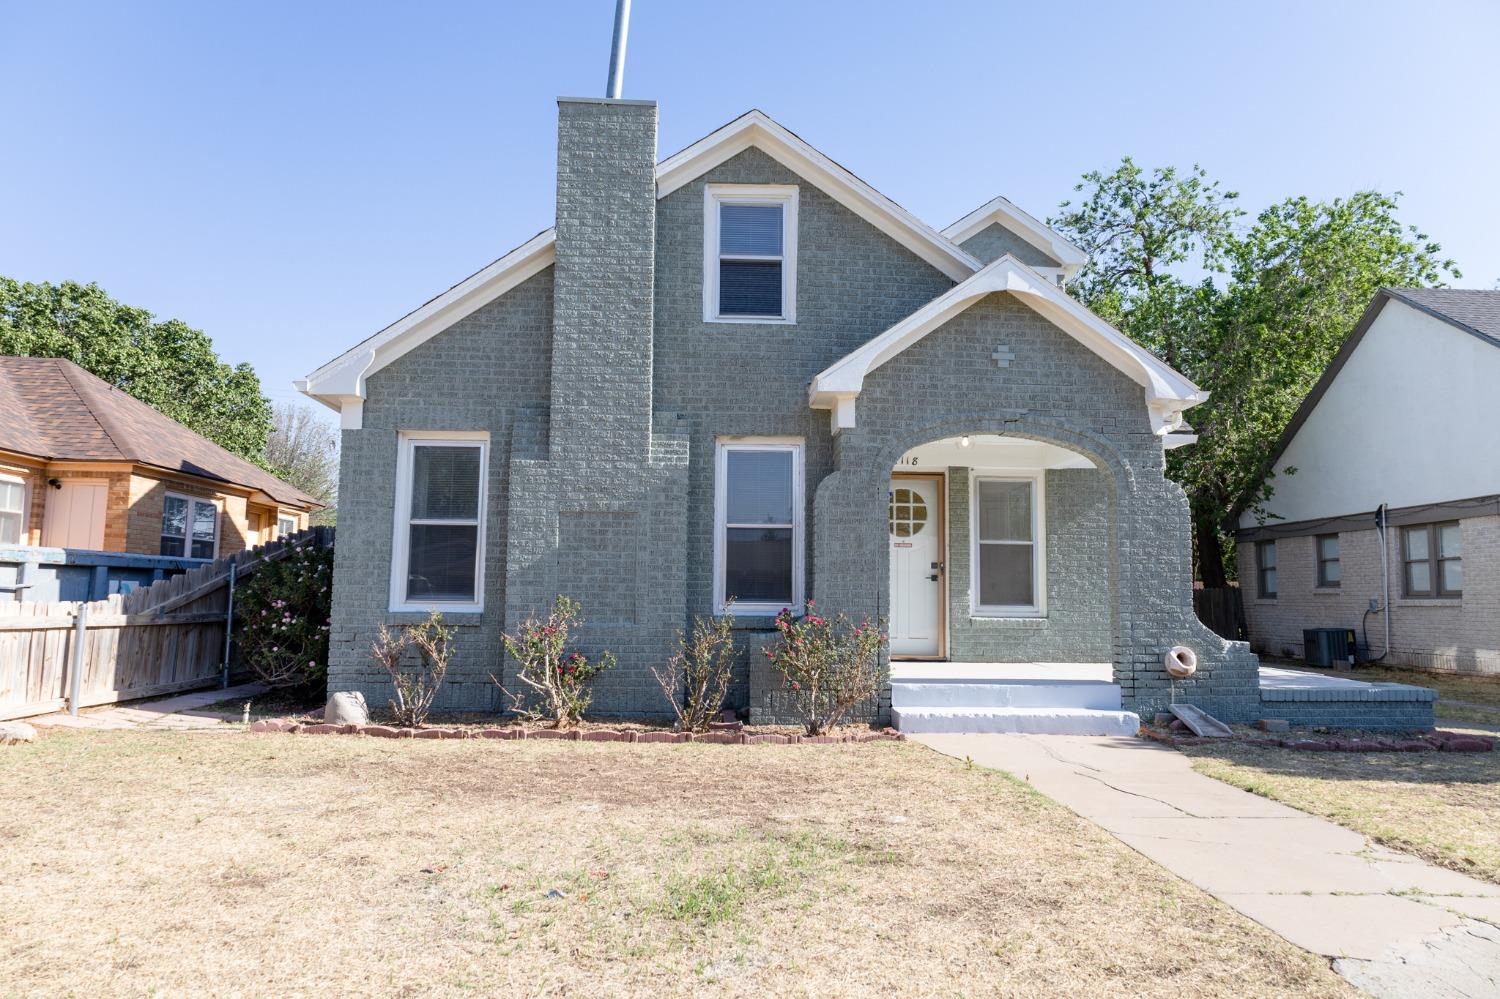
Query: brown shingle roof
{"x": 54, "y": 409}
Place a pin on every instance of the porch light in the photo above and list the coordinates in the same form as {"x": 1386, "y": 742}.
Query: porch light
{"x": 964, "y": 441}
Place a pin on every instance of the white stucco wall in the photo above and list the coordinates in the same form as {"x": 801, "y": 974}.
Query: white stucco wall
{"x": 1413, "y": 417}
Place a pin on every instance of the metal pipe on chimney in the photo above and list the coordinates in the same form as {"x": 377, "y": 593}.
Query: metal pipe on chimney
{"x": 617, "y": 49}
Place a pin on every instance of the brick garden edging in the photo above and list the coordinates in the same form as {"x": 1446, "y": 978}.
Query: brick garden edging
{"x": 1446, "y": 742}
{"x": 574, "y": 735}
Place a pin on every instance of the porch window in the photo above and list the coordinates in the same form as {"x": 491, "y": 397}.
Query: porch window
{"x": 750, "y": 253}
{"x": 438, "y": 551}
{"x": 1007, "y": 566}
{"x": 1432, "y": 560}
{"x": 12, "y": 509}
{"x": 189, "y": 527}
{"x": 758, "y": 526}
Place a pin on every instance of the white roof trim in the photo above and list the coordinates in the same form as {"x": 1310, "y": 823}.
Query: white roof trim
{"x": 1168, "y": 393}
{"x": 756, "y": 128}
{"x": 342, "y": 380}
{"x": 1028, "y": 227}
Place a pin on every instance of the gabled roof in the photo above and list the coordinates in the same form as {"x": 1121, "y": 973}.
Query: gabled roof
{"x": 758, "y": 129}
{"x": 1168, "y": 393}
{"x": 1475, "y": 312}
{"x": 341, "y": 381}
{"x": 61, "y": 412}
{"x": 1004, "y": 212}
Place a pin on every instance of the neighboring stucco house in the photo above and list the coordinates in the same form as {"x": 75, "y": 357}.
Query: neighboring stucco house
{"x": 1406, "y": 420}
{"x": 86, "y": 467}
{"x": 741, "y": 372}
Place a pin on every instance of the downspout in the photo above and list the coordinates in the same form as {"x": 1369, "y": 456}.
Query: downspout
{"x": 1385, "y": 582}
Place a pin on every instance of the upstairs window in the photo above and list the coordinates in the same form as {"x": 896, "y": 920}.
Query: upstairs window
{"x": 189, "y": 527}
{"x": 758, "y": 527}
{"x": 1265, "y": 570}
{"x": 750, "y": 254}
{"x": 1330, "y": 573}
{"x": 438, "y": 552}
{"x": 1432, "y": 560}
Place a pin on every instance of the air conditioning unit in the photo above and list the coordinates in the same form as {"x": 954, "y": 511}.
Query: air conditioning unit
{"x": 1328, "y": 646}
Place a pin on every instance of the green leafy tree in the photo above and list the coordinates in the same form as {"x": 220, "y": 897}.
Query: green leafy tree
{"x": 166, "y": 364}
{"x": 1253, "y": 314}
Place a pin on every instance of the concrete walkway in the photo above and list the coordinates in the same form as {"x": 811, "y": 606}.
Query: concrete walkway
{"x": 1394, "y": 925}
{"x": 202, "y": 709}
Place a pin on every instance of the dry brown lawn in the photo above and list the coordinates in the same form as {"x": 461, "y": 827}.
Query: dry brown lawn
{"x": 235, "y": 864}
{"x": 1444, "y": 807}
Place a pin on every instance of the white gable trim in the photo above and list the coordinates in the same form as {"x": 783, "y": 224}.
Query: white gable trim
{"x": 1167, "y": 392}
{"x": 340, "y": 384}
{"x": 1024, "y": 225}
{"x": 757, "y": 129}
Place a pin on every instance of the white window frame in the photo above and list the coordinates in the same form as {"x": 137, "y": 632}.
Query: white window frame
{"x": 187, "y": 541}
{"x": 290, "y": 520}
{"x": 1038, "y": 608}
{"x": 24, "y": 536}
{"x": 723, "y": 447}
{"x": 409, "y": 441}
{"x": 784, "y": 195}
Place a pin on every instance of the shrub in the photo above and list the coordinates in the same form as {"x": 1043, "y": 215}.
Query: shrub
{"x": 829, "y": 666}
{"x": 559, "y": 682}
{"x": 700, "y": 671}
{"x": 283, "y": 613}
{"x": 415, "y": 684}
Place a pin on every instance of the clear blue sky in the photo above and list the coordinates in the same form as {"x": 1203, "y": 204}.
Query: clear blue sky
{"x": 290, "y": 177}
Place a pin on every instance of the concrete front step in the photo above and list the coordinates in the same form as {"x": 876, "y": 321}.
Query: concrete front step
{"x": 1030, "y": 720}
{"x": 939, "y": 693}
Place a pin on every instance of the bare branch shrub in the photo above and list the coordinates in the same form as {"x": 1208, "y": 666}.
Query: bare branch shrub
{"x": 697, "y": 678}
{"x": 415, "y": 684}
{"x": 559, "y": 683}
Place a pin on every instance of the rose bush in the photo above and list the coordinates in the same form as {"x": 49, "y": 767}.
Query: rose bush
{"x": 282, "y": 613}
{"x": 558, "y": 682}
{"x": 830, "y": 666}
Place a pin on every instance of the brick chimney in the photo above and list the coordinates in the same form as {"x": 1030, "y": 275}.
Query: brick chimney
{"x": 604, "y": 279}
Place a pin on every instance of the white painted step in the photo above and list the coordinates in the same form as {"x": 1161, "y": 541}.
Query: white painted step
{"x": 938, "y": 693}
{"x": 1032, "y": 721}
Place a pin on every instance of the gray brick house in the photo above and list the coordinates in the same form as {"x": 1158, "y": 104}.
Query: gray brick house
{"x": 740, "y": 372}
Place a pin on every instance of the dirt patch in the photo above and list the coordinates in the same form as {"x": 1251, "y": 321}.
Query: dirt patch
{"x": 244, "y": 864}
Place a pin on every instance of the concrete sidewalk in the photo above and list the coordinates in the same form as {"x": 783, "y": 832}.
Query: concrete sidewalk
{"x": 1394, "y": 925}
{"x": 202, "y": 709}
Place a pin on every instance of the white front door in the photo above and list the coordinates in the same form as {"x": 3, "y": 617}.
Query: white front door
{"x": 915, "y": 530}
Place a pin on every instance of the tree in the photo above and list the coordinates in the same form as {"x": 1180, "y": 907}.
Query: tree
{"x": 1276, "y": 301}
{"x": 304, "y": 451}
{"x": 168, "y": 365}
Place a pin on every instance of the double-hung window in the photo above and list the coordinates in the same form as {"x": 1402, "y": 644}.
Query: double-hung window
{"x": 1432, "y": 560}
{"x": 750, "y": 253}
{"x": 1265, "y": 570}
{"x": 438, "y": 550}
{"x": 12, "y": 509}
{"x": 758, "y": 526}
{"x": 1330, "y": 573}
{"x": 1007, "y": 556}
{"x": 189, "y": 527}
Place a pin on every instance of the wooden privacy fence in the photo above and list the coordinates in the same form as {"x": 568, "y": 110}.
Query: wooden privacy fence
{"x": 166, "y": 637}
{"x": 1223, "y": 610}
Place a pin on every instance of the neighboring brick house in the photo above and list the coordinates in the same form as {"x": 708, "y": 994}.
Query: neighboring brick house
{"x": 742, "y": 372}
{"x": 1403, "y": 423}
{"x": 84, "y": 466}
